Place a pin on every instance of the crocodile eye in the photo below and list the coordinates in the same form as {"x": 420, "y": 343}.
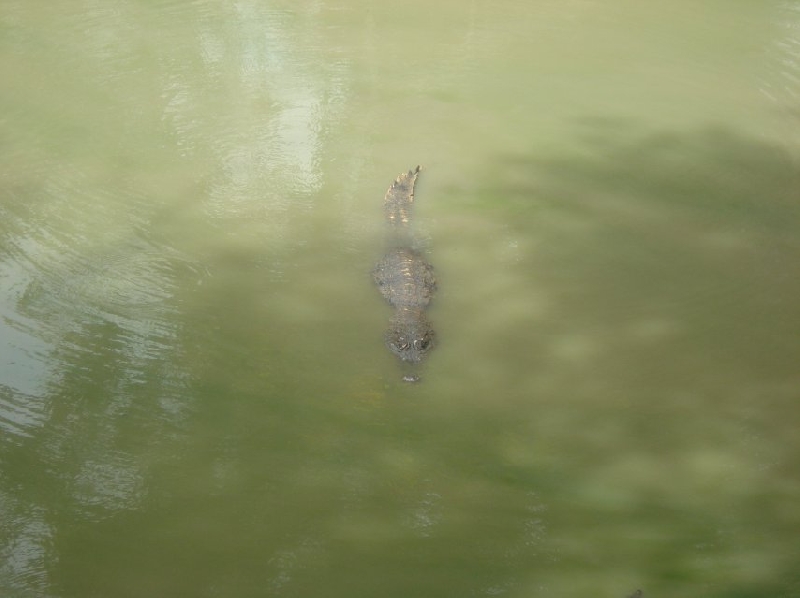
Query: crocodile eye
{"x": 403, "y": 345}
{"x": 424, "y": 343}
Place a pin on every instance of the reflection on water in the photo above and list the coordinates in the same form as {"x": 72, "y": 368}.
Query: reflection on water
{"x": 275, "y": 103}
{"x": 194, "y": 399}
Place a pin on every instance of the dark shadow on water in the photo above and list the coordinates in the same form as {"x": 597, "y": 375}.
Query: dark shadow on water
{"x": 662, "y": 352}
{"x": 690, "y": 236}
{"x": 717, "y": 174}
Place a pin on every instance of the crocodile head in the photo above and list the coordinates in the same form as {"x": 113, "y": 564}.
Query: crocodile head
{"x": 410, "y": 337}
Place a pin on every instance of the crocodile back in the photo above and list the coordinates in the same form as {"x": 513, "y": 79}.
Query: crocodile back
{"x": 404, "y": 278}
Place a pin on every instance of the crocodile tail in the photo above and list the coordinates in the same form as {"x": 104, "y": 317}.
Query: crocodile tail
{"x": 399, "y": 197}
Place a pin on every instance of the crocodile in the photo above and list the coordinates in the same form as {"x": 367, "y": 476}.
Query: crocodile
{"x": 405, "y": 279}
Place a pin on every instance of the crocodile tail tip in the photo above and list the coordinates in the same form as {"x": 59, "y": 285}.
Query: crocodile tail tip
{"x": 411, "y": 173}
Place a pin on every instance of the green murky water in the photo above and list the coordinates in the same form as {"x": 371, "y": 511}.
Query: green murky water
{"x": 194, "y": 395}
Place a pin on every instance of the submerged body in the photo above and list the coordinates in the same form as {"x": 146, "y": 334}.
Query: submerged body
{"x": 405, "y": 279}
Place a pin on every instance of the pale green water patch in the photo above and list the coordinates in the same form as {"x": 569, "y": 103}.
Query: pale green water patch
{"x": 194, "y": 393}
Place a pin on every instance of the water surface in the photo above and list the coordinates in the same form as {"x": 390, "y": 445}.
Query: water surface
{"x": 194, "y": 394}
